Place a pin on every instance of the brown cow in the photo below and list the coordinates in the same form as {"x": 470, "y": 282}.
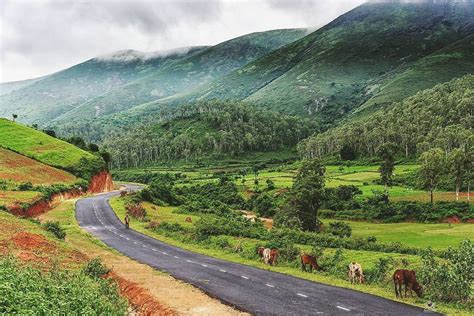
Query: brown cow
{"x": 260, "y": 251}
{"x": 408, "y": 278}
{"x": 273, "y": 257}
{"x": 355, "y": 273}
{"x": 309, "y": 260}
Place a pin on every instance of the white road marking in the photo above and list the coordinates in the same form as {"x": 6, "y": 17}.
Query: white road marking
{"x": 223, "y": 271}
{"x": 204, "y": 265}
{"x": 176, "y": 257}
{"x": 269, "y": 285}
{"x": 189, "y": 261}
{"x": 154, "y": 249}
{"x": 164, "y": 253}
{"x": 135, "y": 243}
{"x": 343, "y": 308}
{"x": 302, "y": 295}
{"x": 244, "y": 277}
{"x": 144, "y": 246}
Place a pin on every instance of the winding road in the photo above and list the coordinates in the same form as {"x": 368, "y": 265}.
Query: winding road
{"x": 249, "y": 289}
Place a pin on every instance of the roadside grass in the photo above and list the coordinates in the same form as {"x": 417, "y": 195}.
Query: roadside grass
{"x": 17, "y": 168}
{"x": 40, "y": 146}
{"x": 366, "y": 258}
{"x": 9, "y": 198}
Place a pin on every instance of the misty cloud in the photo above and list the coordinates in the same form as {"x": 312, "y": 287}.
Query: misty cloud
{"x": 44, "y": 36}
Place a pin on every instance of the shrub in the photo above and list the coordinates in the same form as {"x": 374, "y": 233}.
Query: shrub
{"x": 263, "y": 205}
{"x": 56, "y": 229}
{"x": 340, "y": 229}
{"x": 136, "y": 210}
{"x": 26, "y": 186}
{"x": 29, "y": 291}
{"x": 379, "y": 273}
{"x": 335, "y": 264}
{"x": 95, "y": 268}
{"x": 371, "y": 239}
{"x": 449, "y": 280}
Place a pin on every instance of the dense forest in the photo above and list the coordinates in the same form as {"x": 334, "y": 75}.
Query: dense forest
{"x": 210, "y": 129}
{"x": 441, "y": 117}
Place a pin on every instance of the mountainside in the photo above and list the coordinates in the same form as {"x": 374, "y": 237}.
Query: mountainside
{"x": 343, "y": 65}
{"x": 204, "y": 66}
{"x": 437, "y": 117}
{"x": 58, "y": 93}
{"x": 7, "y": 87}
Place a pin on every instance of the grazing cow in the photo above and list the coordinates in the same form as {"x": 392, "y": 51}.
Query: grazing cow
{"x": 188, "y": 220}
{"x": 407, "y": 278}
{"x": 260, "y": 251}
{"x": 309, "y": 260}
{"x": 266, "y": 256}
{"x": 273, "y": 256}
{"x": 355, "y": 273}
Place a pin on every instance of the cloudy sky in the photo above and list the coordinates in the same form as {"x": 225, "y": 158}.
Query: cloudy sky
{"x": 38, "y": 37}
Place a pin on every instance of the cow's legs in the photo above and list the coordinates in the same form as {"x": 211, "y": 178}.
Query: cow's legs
{"x": 396, "y": 290}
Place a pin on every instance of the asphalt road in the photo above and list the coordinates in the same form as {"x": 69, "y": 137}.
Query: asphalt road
{"x": 249, "y": 289}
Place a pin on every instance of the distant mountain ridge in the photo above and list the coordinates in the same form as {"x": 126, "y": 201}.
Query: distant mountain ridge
{"x": 114, "y": 82}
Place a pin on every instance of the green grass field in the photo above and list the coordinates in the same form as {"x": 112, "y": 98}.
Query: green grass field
{"x": 40, "y": 146}
{"x": 437, "y": 236}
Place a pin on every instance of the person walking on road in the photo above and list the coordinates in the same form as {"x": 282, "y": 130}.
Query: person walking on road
{"x": 127, "y": 221}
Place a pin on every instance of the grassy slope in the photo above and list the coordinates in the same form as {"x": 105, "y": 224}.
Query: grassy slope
{"x": 340, "y": 66}
{"x": 450, "y": 62}
{"x": 18, "y": 168}
{"x": 39, "y": 146}
{"x": 367, "y": 258}
{"x": 187, "y": 73}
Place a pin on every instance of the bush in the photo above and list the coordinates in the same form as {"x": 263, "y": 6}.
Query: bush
{"x": 335, "y": 264}
{"x": 26, "y": 186}
{"x": 449, "y": 280}
{"x": 371, "y": 239}
{"x": 263, "y": 205}
{"x": 136, "y": 210}
{"x": 56, "y": 229}
{"x": 340, "y": 229}
{"x": 28, "y": 291}
{"x": 95, "y": 268}
{"x": 379, "y": 273}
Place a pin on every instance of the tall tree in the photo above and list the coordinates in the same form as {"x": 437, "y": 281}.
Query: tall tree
{"x": 432, "y": 167}
{"x": 457, "y": 161}
{"x": 386, "y": 153}
{"x": 308, "y": 193}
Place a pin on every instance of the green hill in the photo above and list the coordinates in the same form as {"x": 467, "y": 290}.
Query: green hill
{"x": 61, "y": 92}
{"x": 48, "y": 150}
{"x": 437, "y": 117}
{"x": 339, "y": 67}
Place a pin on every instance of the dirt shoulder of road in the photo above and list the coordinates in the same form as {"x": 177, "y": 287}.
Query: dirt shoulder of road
{"x": 174, "y": 295}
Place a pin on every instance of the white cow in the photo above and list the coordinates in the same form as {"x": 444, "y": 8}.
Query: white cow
{"x": 355, "y": 273}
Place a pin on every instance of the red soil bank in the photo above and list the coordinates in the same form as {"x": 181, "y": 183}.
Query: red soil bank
{"x": 139, "y": 297}
{"x": 101, "y": 182}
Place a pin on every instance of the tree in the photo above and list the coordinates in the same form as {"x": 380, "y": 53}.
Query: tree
{"x": 457, "y": 161}
{"x": 347, "y": 152}
{"x": 15, "y": 116}
{"x": 307, "y": 193}
{"x": 386, "y": 153}
{"x": 432, "y": 166}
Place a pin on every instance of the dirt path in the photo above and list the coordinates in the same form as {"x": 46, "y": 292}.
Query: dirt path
{"x": 178, "y": 296}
